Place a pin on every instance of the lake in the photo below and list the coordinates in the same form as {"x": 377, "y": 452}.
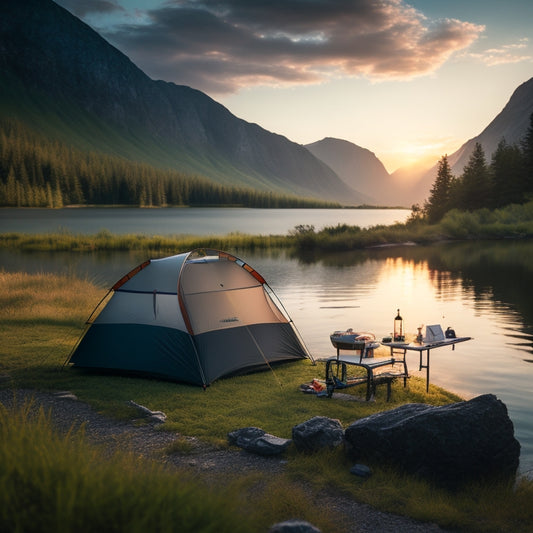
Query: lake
{"x": 481, "y": 289}
{"x": 189, "y": 220}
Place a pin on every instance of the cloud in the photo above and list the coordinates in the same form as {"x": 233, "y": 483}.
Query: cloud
{"x": 82, "y": 8}
{"x": 508, "y": 53}
{"x": 221, "y": 46}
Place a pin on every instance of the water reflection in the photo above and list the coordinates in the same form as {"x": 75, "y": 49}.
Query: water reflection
{"x": 480, "y": 289}
{"x": 488, "y": 276}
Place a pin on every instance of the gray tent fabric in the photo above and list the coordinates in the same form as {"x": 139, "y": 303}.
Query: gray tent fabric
{"x": 193, "y": 317}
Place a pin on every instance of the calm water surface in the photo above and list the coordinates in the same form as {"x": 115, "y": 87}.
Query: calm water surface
{"x": 480, "y": 289}
{"x": 189, "y": 221}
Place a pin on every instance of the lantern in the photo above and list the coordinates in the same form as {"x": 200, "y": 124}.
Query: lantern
{"x": 398, "y": 328}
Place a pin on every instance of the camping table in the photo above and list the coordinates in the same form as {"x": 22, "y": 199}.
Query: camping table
{"x": 372, "y": 378}
{"x": 426, "y": 348}
{"x": 363, "y": 361}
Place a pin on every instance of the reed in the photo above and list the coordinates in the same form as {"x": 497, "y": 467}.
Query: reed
{"x": 153, "y": 245}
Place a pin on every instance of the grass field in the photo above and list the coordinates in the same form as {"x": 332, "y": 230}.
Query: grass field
{"x": 41, "y": 317}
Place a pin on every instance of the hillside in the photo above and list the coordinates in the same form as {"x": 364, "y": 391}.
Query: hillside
{"x": 510, "y": 124}
{"x": 65, "y": 81}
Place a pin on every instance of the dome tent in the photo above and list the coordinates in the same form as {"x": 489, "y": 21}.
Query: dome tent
{"x": 192, "y": 317}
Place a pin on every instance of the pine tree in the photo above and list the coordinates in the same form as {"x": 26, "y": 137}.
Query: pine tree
{"x": 439, "y": 200}
{"x": 49, "y": 196}
{"x": 11, "y": 189}
{"x": 475, "y": 183}
{"x": 507, "y": 170}
{"x": 527, "y": 151}
{"x": 58, "y": 196}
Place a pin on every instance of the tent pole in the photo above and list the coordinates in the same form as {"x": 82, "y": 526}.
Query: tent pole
{"x": 88, "y": 323}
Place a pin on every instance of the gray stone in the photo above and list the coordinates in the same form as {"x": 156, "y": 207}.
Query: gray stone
{"x": 157, "y": 417}
{"x": 317, "y": 433}
{"x": 241, "y": 437}
{"x": 360, "y": 470}
{"x": 293, "y": 526}
{"x": 451, "y": 444}
{"x": 255, "y": 440}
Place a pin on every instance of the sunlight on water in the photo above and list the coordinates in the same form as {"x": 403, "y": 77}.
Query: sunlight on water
{"x": 366, "y": 296}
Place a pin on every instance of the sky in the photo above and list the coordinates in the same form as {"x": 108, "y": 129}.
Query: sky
{"x": 408, "y": 80}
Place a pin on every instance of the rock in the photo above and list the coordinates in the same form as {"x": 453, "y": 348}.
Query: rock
{"x": 157, "y": 417}
{"x": 450, "y": 445}
{"x": 65, "y": 395}
{"x": 360, "y": 470}
{"x": 293, "y": 526}
{"x": 257, "y": 441}
{"x": 317, "y": 433}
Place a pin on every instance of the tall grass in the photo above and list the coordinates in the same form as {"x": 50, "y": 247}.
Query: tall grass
{"x": 41, "y": 315}
{"x": 59, "y": 483}
{"x": 477, "y": 508}
{"x": 104, "y": 241}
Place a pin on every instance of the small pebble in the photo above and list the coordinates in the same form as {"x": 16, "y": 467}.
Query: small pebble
{"x": 361, "y": 470}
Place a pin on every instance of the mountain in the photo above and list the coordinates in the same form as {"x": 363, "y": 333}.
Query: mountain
{"x": 65, "y": 80}
{"x": 361, "y": 170}
{"x": 358, "y": 167}
{"x": 510, "y": 124}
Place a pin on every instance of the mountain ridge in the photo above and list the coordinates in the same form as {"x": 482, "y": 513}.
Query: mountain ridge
{"x": 511, "y": 124}
{"x": 54, "y": 58}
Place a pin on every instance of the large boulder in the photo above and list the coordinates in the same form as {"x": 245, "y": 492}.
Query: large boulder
{"x": 317, "y": 433}
{"x": 450, "y": 444}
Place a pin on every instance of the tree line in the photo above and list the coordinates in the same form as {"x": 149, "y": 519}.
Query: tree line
{"x": 507, "y": 179}
{"x": 38, "y": 172}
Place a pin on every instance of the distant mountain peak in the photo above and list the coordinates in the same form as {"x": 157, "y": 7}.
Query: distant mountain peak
{"x": 359, "y": 168}
{"x": 340, "y": 144}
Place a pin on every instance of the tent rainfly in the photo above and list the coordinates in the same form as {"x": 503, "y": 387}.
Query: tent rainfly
{"x": 193, "y": 318}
